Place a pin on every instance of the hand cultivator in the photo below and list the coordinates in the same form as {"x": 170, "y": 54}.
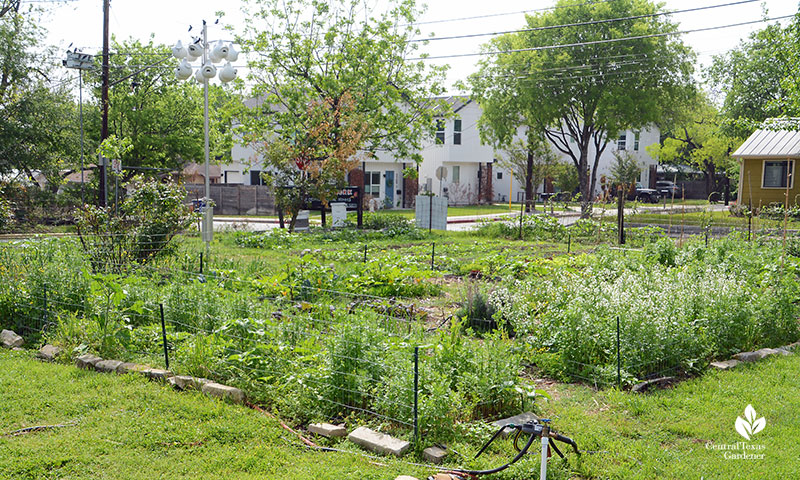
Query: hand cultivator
{"x": 534, "y": 429}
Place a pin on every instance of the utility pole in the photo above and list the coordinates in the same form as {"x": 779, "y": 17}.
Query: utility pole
{"x": 104, "y": 101}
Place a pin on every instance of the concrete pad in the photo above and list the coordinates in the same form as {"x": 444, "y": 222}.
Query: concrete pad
{"x": 725, "y": 365}
{"x": 107, "y": 366}
{"x": 10, "y": 339}
{"x": 378, "y": 442}
{"x": 87, "y": 361}
{"x": 435, "y": 455}
{"x": 327, "y": 430}
{"x": 223, "y": 391}
{"x": 48, "y": 353}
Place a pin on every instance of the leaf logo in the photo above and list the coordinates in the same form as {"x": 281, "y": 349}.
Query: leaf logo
{"x": 749, "y": 425}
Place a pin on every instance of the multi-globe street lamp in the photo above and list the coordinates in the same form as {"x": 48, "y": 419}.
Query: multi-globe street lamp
{"x": 199, "y": 49}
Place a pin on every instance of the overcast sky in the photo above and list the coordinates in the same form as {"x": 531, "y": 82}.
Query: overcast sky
{"x": 80, "y": 22}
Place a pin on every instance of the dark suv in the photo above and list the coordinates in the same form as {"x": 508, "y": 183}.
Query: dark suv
{"x": 668, "y": 189}
{"x": 643, "y": 195}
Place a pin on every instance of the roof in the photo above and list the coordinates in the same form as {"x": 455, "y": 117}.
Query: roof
{"x": 214, "y": 171}
{"x": 771, "y": 143}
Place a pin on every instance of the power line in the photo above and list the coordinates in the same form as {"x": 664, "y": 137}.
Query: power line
{"x": 490, "y": 15}
{"x": 598, "y": 42}
{"x": 580, "y": 24}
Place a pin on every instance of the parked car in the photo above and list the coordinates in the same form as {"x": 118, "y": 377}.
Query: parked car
{"x": 643, "y": 195}
{"x": 668, "y": 189}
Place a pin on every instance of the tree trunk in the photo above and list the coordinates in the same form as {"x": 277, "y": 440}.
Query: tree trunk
{"x": 585, "y": 183}
{"x": 529, "y": 183}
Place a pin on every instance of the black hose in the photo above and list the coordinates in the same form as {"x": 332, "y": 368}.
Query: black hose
{"x": 502, "y": 467}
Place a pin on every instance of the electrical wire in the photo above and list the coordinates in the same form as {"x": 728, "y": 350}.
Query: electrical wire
{"x": 599, "y": 42}
{"x": 581, "y": 24}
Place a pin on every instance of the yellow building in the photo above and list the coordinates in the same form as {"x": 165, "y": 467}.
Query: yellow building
{"x": 767, "y": 167}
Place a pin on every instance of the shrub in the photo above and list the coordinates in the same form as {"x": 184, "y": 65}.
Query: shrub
{"x": 140, "y": 230}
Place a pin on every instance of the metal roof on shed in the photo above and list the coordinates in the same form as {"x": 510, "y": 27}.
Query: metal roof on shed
{"x": 770, "y": 144}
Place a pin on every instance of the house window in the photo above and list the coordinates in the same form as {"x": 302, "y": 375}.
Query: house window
{"x": 499, "y": 175}
{"x": 775, "y": 173}
{"x": 439, "y": 131}
{"x": 255, "y": 177}
{"x": 456, "y": 174}
{"x": 621, "y": 142}
{"x": 457, "y": 132}
{"x": 372, "y": 183}
{"x": 635, "y": 141}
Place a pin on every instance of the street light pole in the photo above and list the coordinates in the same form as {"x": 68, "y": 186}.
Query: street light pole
{"x": 206, "y": 72}
{"x": 208, "y": 212}
{"x": 81, "y": 62}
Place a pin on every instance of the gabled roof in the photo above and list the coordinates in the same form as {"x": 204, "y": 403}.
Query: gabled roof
{"x": 774, "y": 142}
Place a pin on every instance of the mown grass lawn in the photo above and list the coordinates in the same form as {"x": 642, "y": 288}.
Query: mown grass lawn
{"x": 128, "y": 428}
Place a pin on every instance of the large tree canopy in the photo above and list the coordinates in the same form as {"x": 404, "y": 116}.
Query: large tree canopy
{"x": 754, "y": 79}
{"x": 698, "y": 138}
{"x": 344, "y": 57}
{"x": 38, "y": 118}
{"x": 160, "y": 116}
{"x": 580, "y": 74}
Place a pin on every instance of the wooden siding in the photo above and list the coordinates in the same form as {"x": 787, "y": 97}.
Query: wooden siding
{"x": 750, "y": 182}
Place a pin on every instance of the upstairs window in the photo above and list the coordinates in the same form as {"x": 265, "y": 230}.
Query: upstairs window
{"x": 440, "y": 131}
{"x": 457, "y": 132}
{"x": 623, "y": 139}
{"x": 635, "y": 141}
{"x": 499, "y": 175}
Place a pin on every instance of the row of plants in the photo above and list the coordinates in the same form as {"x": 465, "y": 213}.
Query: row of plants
{"x": 318, "y": 358}
{"x": 678, "y": 308}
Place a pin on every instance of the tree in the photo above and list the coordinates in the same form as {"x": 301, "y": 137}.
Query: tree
{"x": 38, "y": 127}
{"x": 161, "y": 117}
{"x": 579, "y": 74}
{"x": 534, "y": 162}
{"x": 752, "y": 79}
{"x": 315, "y": 162}
{"x": 626, "y": 170}
{"x": 342, "y": 57}
{"x": 698, "y": 138}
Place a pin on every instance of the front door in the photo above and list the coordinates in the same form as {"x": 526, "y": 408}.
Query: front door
{"x": 390, "y": 188}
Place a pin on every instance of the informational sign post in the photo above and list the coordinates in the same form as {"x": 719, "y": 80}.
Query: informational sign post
{"x": 431, "y": 212}
{"x": 339, "y": 214}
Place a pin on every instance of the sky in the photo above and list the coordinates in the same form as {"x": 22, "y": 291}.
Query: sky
{"x": 79, "y": 22}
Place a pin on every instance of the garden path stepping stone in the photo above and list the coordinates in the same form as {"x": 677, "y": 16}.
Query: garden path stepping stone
{"x": 405, "y": 477}
{"x": 87, "y": 361}
{"x": 725, "y": 365}
{"x": 223, "y": 391}
{"x": 378, "y": 442}
{"x": 48, "y": 353}
{"x": 435, "y": 455}
{"x": 10, "y": 339}
{"x": 107, "y": 366}
{"x": 327, "y": 430}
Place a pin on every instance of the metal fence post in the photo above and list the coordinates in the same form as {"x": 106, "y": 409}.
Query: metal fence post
{"x": 365, "y": 253}
{"x": 619, "y": 360}
{"x": 201, "y": 263}
{"x": 164, "y": 334}
{"x": 416, "y": 395}
{"x": 46, "y": 312}
{"x": 433, "y": 253}
{"x": 569, "y": 242}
